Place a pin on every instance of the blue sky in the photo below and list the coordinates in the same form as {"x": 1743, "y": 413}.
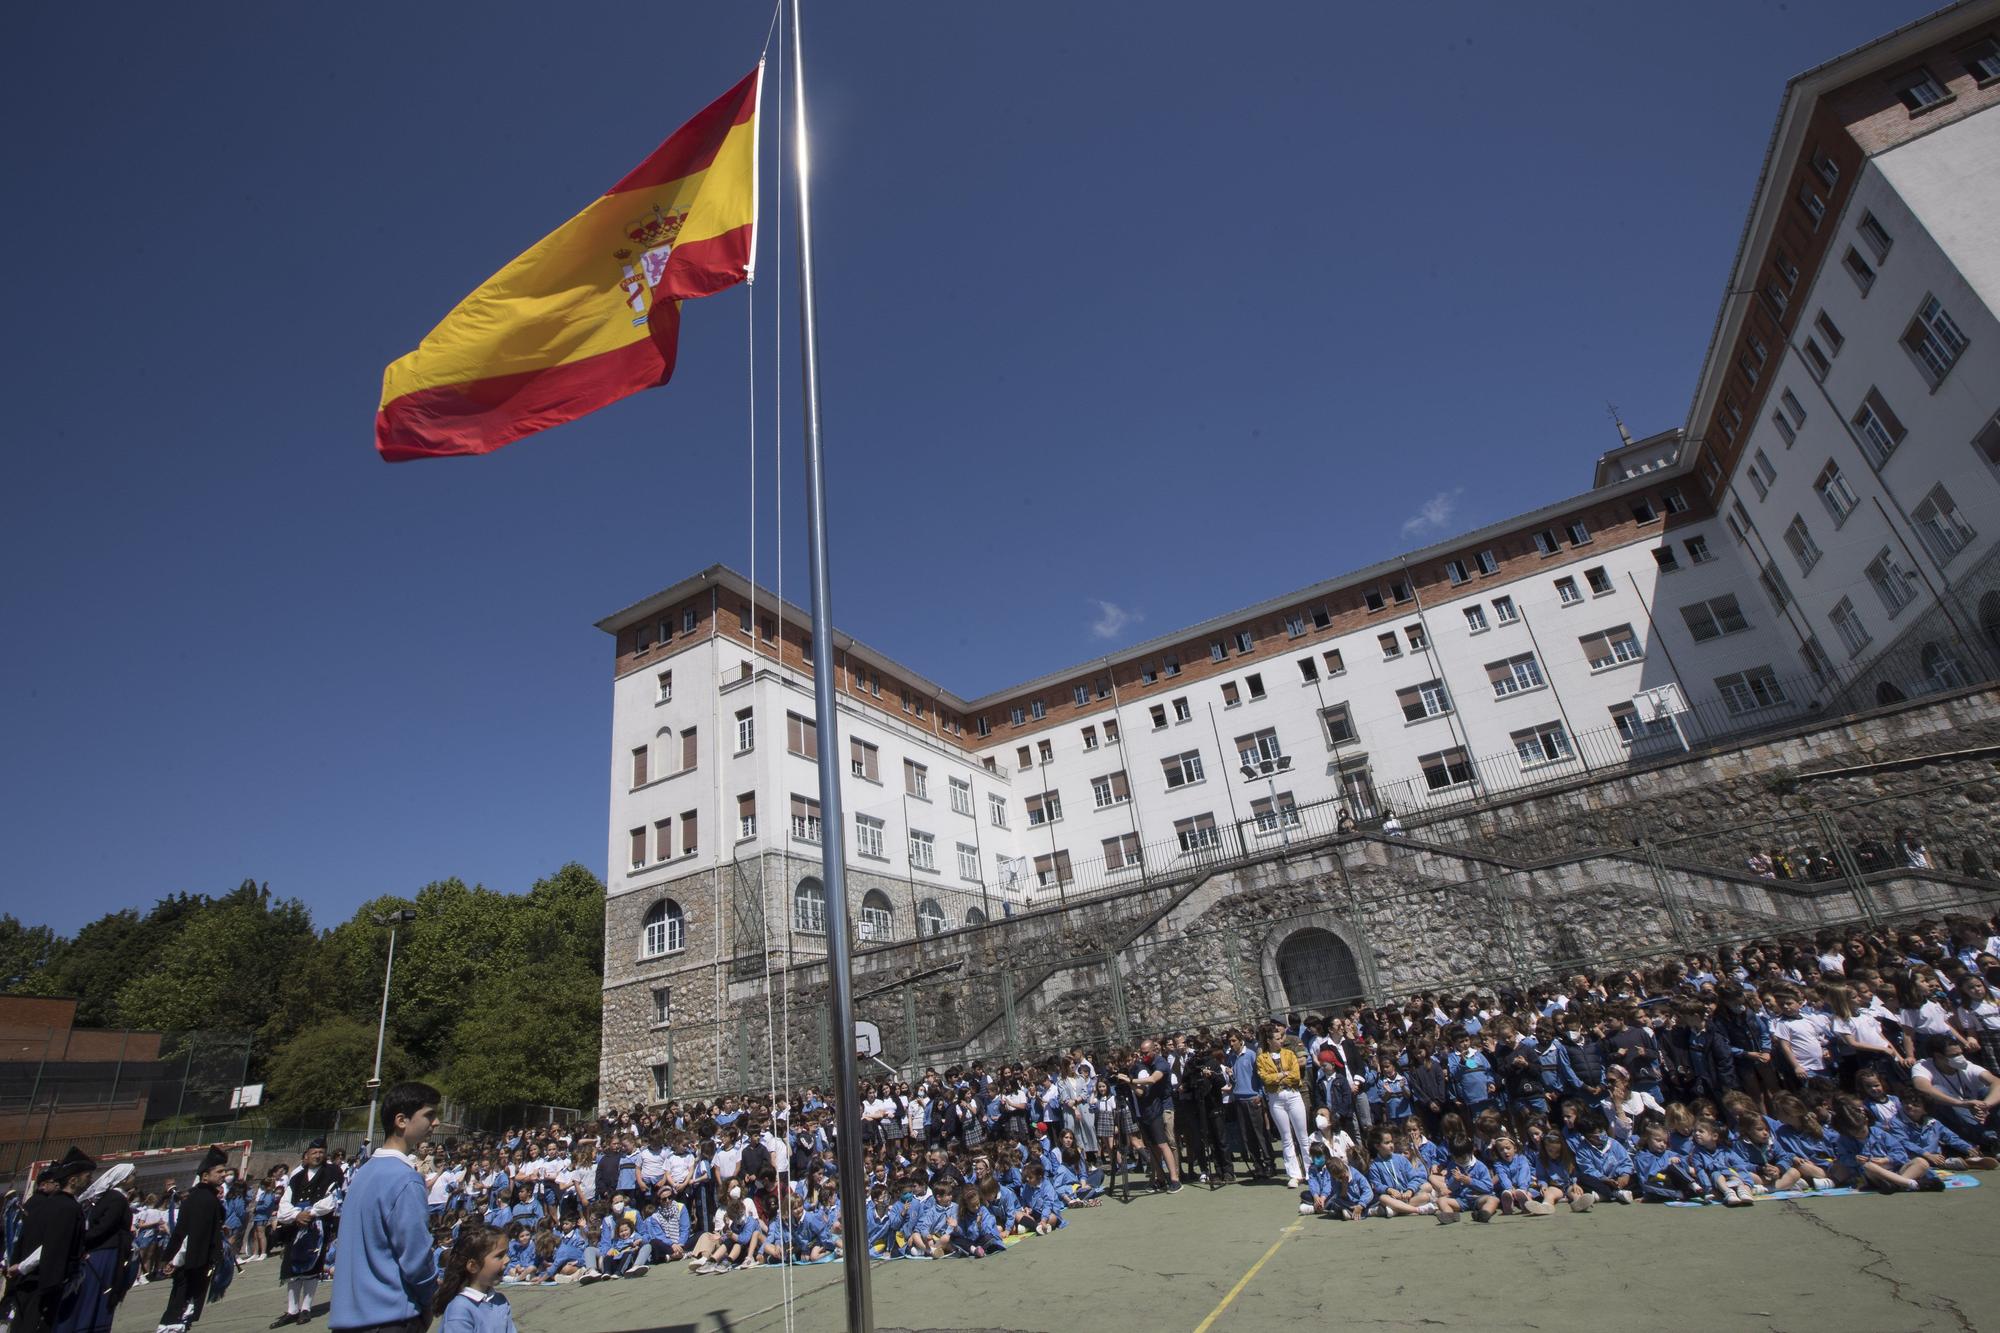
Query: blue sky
{"x": 1129, "y": 316}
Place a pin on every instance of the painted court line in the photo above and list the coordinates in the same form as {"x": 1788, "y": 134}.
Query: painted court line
{"x": 1244, "y": 1281}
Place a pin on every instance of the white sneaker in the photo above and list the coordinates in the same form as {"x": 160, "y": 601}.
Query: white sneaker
{"x": 1423, "y": 1210}
{"x": 1624, "y": 1196}
{"x": 1821, "y": 1183}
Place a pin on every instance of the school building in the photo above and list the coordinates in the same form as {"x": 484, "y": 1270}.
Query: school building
{"x": 1818, "y": 537}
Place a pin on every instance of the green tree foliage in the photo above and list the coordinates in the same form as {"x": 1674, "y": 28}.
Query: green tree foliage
{"x": 24, "y": 951}
{"x": 327, "y": 1066}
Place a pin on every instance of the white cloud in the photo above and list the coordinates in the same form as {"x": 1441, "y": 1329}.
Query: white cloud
{"x": 1112, "y": 618}
{"x": 1434, "y": 515}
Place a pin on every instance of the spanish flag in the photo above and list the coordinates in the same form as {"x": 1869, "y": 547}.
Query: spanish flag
{"x": 592, "y": 312}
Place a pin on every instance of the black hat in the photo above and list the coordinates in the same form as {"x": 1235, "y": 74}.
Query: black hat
{"x": 73, "y": 1163}
{"x": 319, "y": 1143}
{"x": 211, "y": 1159}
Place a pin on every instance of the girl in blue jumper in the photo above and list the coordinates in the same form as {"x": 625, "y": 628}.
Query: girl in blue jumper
{"x": 973, "y": 1235}
{"x": 467, "y": 1300}
{"x": 1514, "y": 1180}
{"x": 1471, "y": 1185}
{"x": 1401, "y": 1187}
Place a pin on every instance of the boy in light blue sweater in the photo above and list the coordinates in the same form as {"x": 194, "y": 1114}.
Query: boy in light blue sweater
{"x": 387, "y": 1272}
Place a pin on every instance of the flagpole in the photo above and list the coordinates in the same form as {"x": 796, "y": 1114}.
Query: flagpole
{"x": 833, "y": 824}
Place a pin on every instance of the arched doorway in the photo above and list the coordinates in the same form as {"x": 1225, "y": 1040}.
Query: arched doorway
{"x": 1317, "y": 970}
{"x": 1886, "y": 693}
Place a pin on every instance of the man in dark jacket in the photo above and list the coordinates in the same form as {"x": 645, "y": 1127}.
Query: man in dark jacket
{"x": 194, "y": 1246}
{"x": 51, "y": 1223}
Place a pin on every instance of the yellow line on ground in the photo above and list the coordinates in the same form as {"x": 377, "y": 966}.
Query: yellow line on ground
{"x": 1244, "y": 1281}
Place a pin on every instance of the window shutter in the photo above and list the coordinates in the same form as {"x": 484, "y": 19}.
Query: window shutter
{"x": 639, "y": 758}
{"x": 1120, "y": 788}
{"x": 690, "y": 840}
{"x": 689, "y": 749}
{"x": 663, "y": 840}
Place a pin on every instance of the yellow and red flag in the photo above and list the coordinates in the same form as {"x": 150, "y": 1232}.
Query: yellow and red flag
{"x": 592, "y": 312}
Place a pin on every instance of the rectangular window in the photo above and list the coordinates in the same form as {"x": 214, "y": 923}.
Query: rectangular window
{"x": 1944, "y": 530}
{"x": 1879, "y": 428}
{"x": 1785, "y": 429}
{"x": 1259, "y": 748}
{"x": 1546, "y": 543}
{"x": 1053, "y": 868}
{"x": 1037, "y": 709}
{"x": 1246, "y": 640}
{"x": 1217, "y": 650}
{"x": 1875, "y": 235}
{"x": 805, "y": 818}
{"x": 662, "y": 1005}
{"x": 743, "y": 619}
{"x": 1338, "y": 725}
{"x": 1456, "y": 571}
{"x": 690, "y": 749}
{"x": 1121, "y": 851}
{"x": 1253, "y": 684}
{"x": 1835, "y": 493}
{"x": 1809, "y": 199}
{"x": 1231, "y": 696}
{"x": 1081, "y": 695}
{"x": 663, "y": 1080}
{"x": 1514, "y": 675}
{"x": 638, "y": 838}
{"x": 961, "y": 796}
{"x": 746, "y": 814}
{"x": 1982, "y": 60}
{"x": 1104, "y": 687}
{"x": 1921, "y": 90}
{"x": 1170, "y": 664}
{"x": 639, "y": 761}
{"x": 1598, "y": 579}
{"x": 1664, "y": 557}
{"x": 1803, "y": 548}
{"x": 1697, "y": 549}
{"x": 1321, "y": 617}
{"x": 874, "y": 923}
{"x": 1834, "y": 342}
{"x": 1421, "y": 701}
{"x": 1933, "y": 341}
{"x": 1611, "y": 647}
{"x": 665, "y": 681}
{"x": 1827, "y": 169}
{"x": 916, "y": 780}
{"x": 923, "y": 850}
{"x": 1777, "y": 297}
{"x": 1847, "y": 623}
{"x": 1158, "y": 712}
{"x": 1892, "y": 583}
{"x": 1043, "y": 808}
{"x": 1633, "y": 728}
{"x": 1503, "y": 610}
{"x": 1110, "y": 789}
{"x": 864, "y": 760}
{"x": 690, "y": 839}
{"x": 1273, "y": 814}
{"x": 1786, "y": 268}
{"x": 1183, "y": 770}
{"x": 801, "y": 736}
{"x": 1546, "y": 744}
{"x": 1147, "y": 673}
{"x": 868, "y": 837}
{"x": 1046, "y": 751}
{"x": 1858, "y": 269}
{"x": 1714, "y": 618}
{"x": 1446, "y": 768}
{"x": 1773, "y": 582}
{"x": 1566, "y": 591}
{"x": 1024, "y": 758}
{"x": 1675, "y": 502}
{"x": 1399, "y": 591}
{"x": 1418, "y": 640}
{"x": 1372, "y": 599}
{"x": 746, "y": 731}
{"x": 1793, "y": 410}
{"x": 1295, "y": 625}
{"x": 1110, "y": 732}
{"x": 689, "y": 620}
{"x": 1643, "y": 511}
{"x": 1308, "y": 670}
{"x": 1391, "y": 645}
{"x": 1816, "y": 359}
{"x": 1747, "y": 691}
{"x": 1090, "y": 738}
{"x": 1197, "y": 834}
{"x": 1018, "y": 716}
{"x": 968, "y": 861}
{"x": 1337, "y": 667}
{"x": 1488, "y": 563}
{"x": 1183, "y": 713}
{"x": 996, "y": 809}
{"x": 1579, "y": 533}
{"x": 1475, "y": 619}
{"x": 1816, "y": 660}
{"x": 983, "y": 726}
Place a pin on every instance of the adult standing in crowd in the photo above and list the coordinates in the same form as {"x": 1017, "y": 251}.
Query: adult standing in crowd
{"x": 388, "y": 1270}
{"x": 52, "y": 1232}
{"x": 1152, "y": 1102}
{"x": 107, "y": 1271}
{"x": 1246, "y": 1094}
{"x": 1278, "y": 1071}
{"x": 309, "y": 1210}
{"x": 194, "y": 1245}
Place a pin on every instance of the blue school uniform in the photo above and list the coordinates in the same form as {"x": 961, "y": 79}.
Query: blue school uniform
{"x": 521, "y": 1253}
{"x": 529, "y": 1211}
{"x": 883, "y": 1223}
{"x": 498, "y": 1217}
{"x": 1722, "y": 1163}
{"x": 1931, "y": 1137}
{"x": 1471, "y": 1181}
{"x": 1757, "y": 1155}
{"x": 1795, "y": 1147}
{"x": 569, "y": 1250}
{"x": 1433, "y": 1157}
{"x": 1045, "y": 1203}
{"x": 1392, "y": 1095}
{"x": 1319, "y": 1181}
{"x": 747, "y": 1230}
{"x": 1549, "y": 1170}
{"x": 1518, "y": 1174}
{"x": 470, "y": 1313}
{"x": 1471, "y": 1079}
{"x": 1355, "y": 1192}
{"x": 1597, "y": 1166}
{"x": 813, "y": 1231}
{"x": 1395, "y": 1172}
{"x": 976, "y": 1234}
{"x": 1663, "y": 1174}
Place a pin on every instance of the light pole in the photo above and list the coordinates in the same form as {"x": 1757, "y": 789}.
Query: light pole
{"x": 392, "y": 920}
{"x": 1250, "y": 774}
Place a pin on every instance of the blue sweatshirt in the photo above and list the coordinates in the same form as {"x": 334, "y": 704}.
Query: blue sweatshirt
{"x": 1395, "y": 1172}
{"x": 813, "y": 1231}
{"x": 1319, "y": 1180}
{"x": 1471, "y": 1077}
{"x": 884, "y": 1223}
{"x": 569, "y": 1250}
{"x": 1606, "y": 1163}
{"x": 1518, "y": 1174}
{"x": 1721, "y": 1160}
{"x": 467, "y": 1313}
{"x": 1045, "y": 1203}
{"x": 1470, "y": 1181}
{"x": 387, "y": 1273}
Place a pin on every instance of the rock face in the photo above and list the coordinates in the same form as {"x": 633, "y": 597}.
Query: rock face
{"x": 1594, "y": 873}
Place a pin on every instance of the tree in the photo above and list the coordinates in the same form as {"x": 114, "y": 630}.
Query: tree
{"x": 327, "y": 1066}
{"x": 24, "y": 951}
{"x": 222, "y": 965}
{"x": 531, "y": 1036}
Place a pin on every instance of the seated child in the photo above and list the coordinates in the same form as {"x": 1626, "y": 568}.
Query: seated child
{"x": 1471, "y": 1184}
{"x": 1802, "y": 1145}
{"x": 1514, "y": 1180}
{"x": 1603, "y": 1165}
{"x": 1924, "y": 1134}
{"x": 973, "y": 1235}
{"x": 1722, "y": 1172}
{"x": 1401, "y": 1188}
{"x": 1663, "y": 1172}
{"x": 1877, "y": 1157}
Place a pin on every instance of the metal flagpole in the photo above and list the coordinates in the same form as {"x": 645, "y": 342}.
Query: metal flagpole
{"x": 833, "y": 824}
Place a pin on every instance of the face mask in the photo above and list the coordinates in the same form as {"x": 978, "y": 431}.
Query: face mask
{"x": 1322, "y": 1120}
{"x": 1957, "y": 1062}
{"x": 735, "y": 1191}
{"x": 1575, "y": 1034}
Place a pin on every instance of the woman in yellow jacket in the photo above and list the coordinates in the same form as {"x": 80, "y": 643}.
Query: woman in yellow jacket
{"x": 1278, "y": 1068}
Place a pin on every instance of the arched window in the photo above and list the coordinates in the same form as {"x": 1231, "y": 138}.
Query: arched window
{"x": 1886, "y": 693}
{"x": 666, "y": 929}
{"x": 809, "y": 907}
{"x": 975, "y": 917}
{"x": 930, "y": 918}
{"x": 877, "y": 921}
{"x": 1942, "y": 671}
{"x": 1317, "y": 970}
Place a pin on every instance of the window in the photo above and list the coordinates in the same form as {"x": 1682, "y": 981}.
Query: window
{"x": 1337, "y": 667}
{"x": 1698, "y": 552}
{"x": 1018, "y": 716}
{"x": 1488, "y": 562}
{"x": 1784, "y": 428}
{"x": 1338, "y": 725}
{"x": 1611, "y": 647}
{"x": 1171, "y": 664}
{"x": 1217, "y": 650}
{"x": 1259, "y": 748}
{"x": 1183, "y": 770}
{"x": 1714, "y": 618}
{"x": 1827, "y": 169}
{"x": 809, "y": 907}
{"x": 1566, "y": 591}
{"x": 1879, "y": 428}
{"x": 746, "y": 815}
{"x": 1275, "y": 813}
{"x": 1372, "y": 599}
{"x": 1121, "y": 852}
{"x": 1197, "y": 834}
{"x": 1475, "y": 619}
{"x": 1231, "y": 696}
{"x": 864, "y": 760}
{"x": 968, "y": 862}
{"x": 665, "y": 681}
{"x": 1676, "y": 503}
{"x": 1110, "y": 789}
{"x": 982, "y": 726}
{"x": 1246, "y": 640}
{"x": 923, "y": 850}
{"x": 1110, "y": 732}
{"x": 666, "y": 929}
{"x": 1295, "y": 625}
{"x": 1747, "y": 691}
{"x": 1253, "y": 684}
{"x": 1633, "y": 728}
{"x": 1321, "y": 617}
{"x": 1391, "y": 645}
{"x": 1942, "y": 670}
{"x": 801, "y": 736}
{"x": 1399, "y": 590}
{"x": 1795, "y": 413}
{"x": 1816, "y": 659}
{"x": 961, "y": 795}
{"x": 1835, "y": 493}
{"x": 1024, "y": 758}
{"x": 1053, "y": 868}
{"x": 1599, "y": 581}
{"x": 1777, "y": 298}
{"x": 1804, "y": 549}
{"x": 1786, "y": 268}
{"x": 1664, "y": 557}
{"x": 1503, "y": 610}
{"x": 1445, "y": 768}
{"x": 1987, "y": 442}
{"x": 663, "y": 840}
{"x": 1426, "y": 700}
{"x": 916, "y": 780}
{"x": 1933, "y": 341}
{"x": 1760, "y": 467}
{"x": 639, "y": 758}
{"x": 1579, "y": 533}
{"x": 1816, "y": 358}
{"x": 1773, "y": 582}
{"x": 1147, "y": 673}
{"x": 1515, "y": 675}
{"x": 996, "y": 809}
{"x": 1643, "y": 511}
{"x": 868, "y": 837}
{"x": 1921, "y": 90}
{"x": 1046, "y": 750}
{"x": 1159, "y": 716}
{"x": 1858, "y": 269}
{"x": 1308, "y": 670}
{"x": 1938, "y": 522}
{"x": 1546, "y": 744}
{"x": 876, "y": 922}
{"x": 1847, "y": 623}
{"x": 638, "y": 847}
{"x": 663, "y": 1080}
{"x": 930, "y": 918}
{"x": 1834, "y": 342}
{"x": 663, "y": 1005}
{"x": 805, "y": 818}
{"x": 1456, "y": 571}
{"x": 1546, "y": 543}
{"x": 1104, "y": 687}
{"x": 1182, "y": 713}
{"x": 1809, "y": 199}
{"x": 1043, "y": 808}
{"x": 1892, "y": 583}
{"x": 1080, "y": 695}
{"x": 746, "y": 731}
{"x": 689, "y": 620}
{"x": 1982, "y": 60}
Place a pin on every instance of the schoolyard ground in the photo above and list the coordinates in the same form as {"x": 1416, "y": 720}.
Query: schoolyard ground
{"x": 1242, "y": 1259}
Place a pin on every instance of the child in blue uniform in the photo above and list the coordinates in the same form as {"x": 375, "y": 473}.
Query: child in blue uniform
{"x": 1514, "y": 1180}
{"x": 1663, "y": 1172}
{"x": 1721, "y": 1171}
{"x": 1472, "y": 1184}
{"x": 973, "y": 1234}
{"x": 1603, "y": 1166}
{"x": 1401, "y": 1187}
{"x": 467, "y": 1300}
